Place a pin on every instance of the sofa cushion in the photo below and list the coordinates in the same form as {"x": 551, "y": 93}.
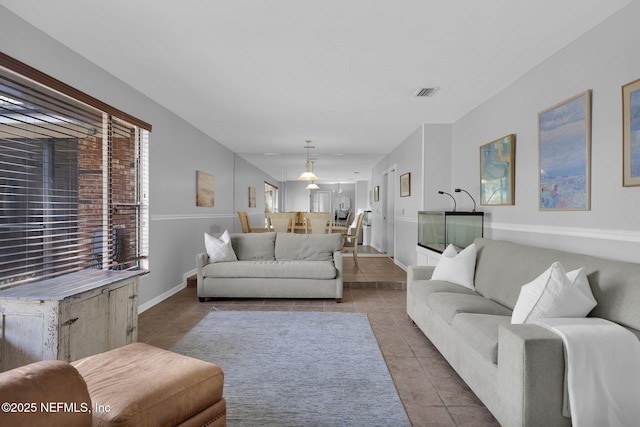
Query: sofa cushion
{"x": 480, "y": 331}
{"x": 272, "y": 269}
{"x": 43, "y": 383}
{"x": 308, "y": 247}
{"x": 421, "y": 289}
{"x": 447, "y": 305}
{"x": 254, "y": 246}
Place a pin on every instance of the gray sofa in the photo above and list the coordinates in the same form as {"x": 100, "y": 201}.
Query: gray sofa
{"x": 517, "y": 371}
{"x": 275, "y": 265}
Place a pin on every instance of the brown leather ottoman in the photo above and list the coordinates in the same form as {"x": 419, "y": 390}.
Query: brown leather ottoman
{"x": 141, "y": 385}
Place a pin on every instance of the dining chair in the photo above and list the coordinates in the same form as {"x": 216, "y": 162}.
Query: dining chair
{"x": 350, "y": 240}
{"x": 246, "y": 225}
{"x": 318, "y": 222}
{"x": 280, "y": 222}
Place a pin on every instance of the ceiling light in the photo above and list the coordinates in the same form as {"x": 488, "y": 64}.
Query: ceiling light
{"x": 308, "y": 174}
{"x": 312, "y": 186}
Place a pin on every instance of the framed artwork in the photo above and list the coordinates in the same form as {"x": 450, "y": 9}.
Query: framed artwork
{"x": 376, "y": 193}
{"x": 497, "y": 172}
{"x": 631, "y": 134}
{"x": 205, "y": 189}
{"x": 252, "y": 197}
{"x": 405, "y": 184}
{"x": 564, "y": 133}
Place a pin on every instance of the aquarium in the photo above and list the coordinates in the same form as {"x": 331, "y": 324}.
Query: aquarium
{"x": 438, "y": 229}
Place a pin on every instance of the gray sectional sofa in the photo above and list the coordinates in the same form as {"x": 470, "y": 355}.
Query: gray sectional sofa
{"x": 517, "y": 370}
{"x": 275, "y": 265}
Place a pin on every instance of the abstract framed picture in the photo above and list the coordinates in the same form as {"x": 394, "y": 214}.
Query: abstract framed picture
{"x": 376, "y": 193}
{"x": 252, "y": 197}
{"x": 564, "y": 133}
{"x": 631, "y": 134}
{"x": 405, "y": 185}
{"x": 205, "y": 189}
{"x": 497, "y": 172}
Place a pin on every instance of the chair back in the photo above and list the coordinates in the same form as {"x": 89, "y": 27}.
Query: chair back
{"x": 244, "y": 221}
{"x": 318, "y": 222}
{"x": 347, "y": 222}
{"x": 359, "y": 220}
{"x": 281, "y": 222}
{"x": 356, "y": 232}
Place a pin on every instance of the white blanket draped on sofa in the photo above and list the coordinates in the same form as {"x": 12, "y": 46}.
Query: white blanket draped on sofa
{"x": 602, "y": 371}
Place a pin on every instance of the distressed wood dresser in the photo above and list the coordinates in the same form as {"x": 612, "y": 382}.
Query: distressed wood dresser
{"x": 68, "y": 317}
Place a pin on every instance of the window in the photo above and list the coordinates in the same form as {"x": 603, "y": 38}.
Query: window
{"x": 73, "y": 182}
{"x": 270, "y": 197}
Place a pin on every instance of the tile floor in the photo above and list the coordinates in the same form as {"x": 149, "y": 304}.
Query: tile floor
{"x": 429, "y": 388}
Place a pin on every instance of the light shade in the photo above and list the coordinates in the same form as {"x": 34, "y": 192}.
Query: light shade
{"x": 312, "y": 186}
{"x": 308, "y": 174}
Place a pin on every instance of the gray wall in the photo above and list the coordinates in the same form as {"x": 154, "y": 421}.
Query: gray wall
{"x": 177, "y": 150}
{"x": 602, "y": 60}
{"x": 426, "y": 154}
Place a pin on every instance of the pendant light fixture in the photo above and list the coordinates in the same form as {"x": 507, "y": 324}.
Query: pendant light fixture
{"x": 308, "y": 174}
{"x": 312, "y": 185}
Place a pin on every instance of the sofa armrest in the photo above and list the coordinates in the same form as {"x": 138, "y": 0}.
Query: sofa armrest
{"x": 531, "y": 376}
{"x": 337, "y": 262}
{"x": 419, "y": 272}
{"x": 202, "y": 259}
{"x": 50, "y": 382}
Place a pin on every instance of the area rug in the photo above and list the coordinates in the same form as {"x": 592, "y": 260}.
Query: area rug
{"x": 298, "y": 368}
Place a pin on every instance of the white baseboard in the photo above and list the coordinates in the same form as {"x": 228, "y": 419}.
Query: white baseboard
{"x": 188, "y": 274}
{"x": 157, "y": 300}
{"x": 399, "y": 264}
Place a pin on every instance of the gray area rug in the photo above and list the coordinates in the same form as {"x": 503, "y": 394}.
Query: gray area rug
{"x": 298, "y": 368}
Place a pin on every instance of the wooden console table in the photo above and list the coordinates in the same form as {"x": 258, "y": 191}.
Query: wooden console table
{"x": 68, "y": 317}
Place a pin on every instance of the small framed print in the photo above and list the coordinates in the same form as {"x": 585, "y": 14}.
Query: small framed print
{"x": 405, "y": 185}
{"x": 631, "y": 134}
{"x": 205, "y": 189}
{"x": 252, "y": 197}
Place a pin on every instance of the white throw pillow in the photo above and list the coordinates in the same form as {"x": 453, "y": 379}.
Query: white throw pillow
{"x": 219, "y": 249}
{"x": 579, "y": 278}
{"x": 554, "y": 294}
{"x": 458, "y": 268}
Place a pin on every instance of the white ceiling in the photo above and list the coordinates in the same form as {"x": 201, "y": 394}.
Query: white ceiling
{"x": 262, "y": 76}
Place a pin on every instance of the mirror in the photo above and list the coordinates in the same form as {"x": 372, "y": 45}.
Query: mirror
{"x": 344, "y": 203}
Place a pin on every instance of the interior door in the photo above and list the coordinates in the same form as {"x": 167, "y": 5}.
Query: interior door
{"x": 322, "y": 202}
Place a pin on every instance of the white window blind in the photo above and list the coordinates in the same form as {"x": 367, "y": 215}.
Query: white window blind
{"x": 73, "y": 185}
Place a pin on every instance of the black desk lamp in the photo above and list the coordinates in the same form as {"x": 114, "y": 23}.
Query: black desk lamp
{"x": 454, "y": 200}
{"x": 457, "y": 190}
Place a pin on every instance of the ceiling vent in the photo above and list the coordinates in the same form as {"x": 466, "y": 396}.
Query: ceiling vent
{"x": 426, "y": 91}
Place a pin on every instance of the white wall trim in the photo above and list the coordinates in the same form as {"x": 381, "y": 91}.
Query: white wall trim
{"x": 157, "y": 300}
{"x": 405, "y": 218}
{"x": 174, "y": 217}
{"x": 588, "y": 233}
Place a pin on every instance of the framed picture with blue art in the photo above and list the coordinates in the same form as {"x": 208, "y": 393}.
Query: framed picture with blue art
{"x": 497, "y": 172}
{"x": 564, "y": 133}
{"x": 631, "y": 134}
